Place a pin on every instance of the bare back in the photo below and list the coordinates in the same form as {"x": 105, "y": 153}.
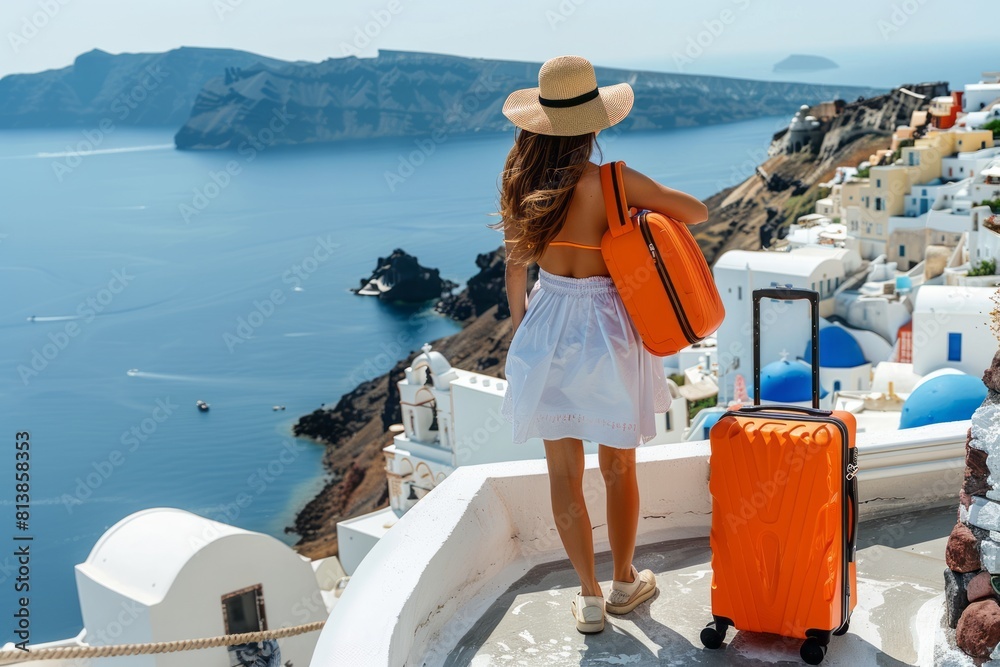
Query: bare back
{"x": 586, "y": 222}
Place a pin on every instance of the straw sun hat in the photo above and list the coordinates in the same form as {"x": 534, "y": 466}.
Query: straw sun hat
{"x": 567, "y": 101}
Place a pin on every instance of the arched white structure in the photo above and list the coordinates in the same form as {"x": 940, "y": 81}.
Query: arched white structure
{"x": 161, "y": 574}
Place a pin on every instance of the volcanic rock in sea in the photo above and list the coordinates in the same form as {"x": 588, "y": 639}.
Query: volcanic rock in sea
{"x": 400, "y": 278}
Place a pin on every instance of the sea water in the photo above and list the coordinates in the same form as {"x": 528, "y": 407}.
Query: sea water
{"x": 136, "y": 279}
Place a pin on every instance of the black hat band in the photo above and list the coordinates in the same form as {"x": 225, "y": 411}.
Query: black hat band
{"x": 571, "y": 102}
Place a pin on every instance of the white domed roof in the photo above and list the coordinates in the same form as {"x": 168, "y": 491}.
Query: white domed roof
{"x": 143, "y": 553}
{"x": 938, "y": 373}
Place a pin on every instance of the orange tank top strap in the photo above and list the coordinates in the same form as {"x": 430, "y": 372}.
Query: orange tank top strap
{"x": 575, "y": 245}
{"x": 569, "y": 244}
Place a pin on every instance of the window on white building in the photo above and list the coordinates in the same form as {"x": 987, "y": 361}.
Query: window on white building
{"x": 878, "y": 228}
{"x": 878, "y": 183}
{"x": 878, "y": 203}
{"x": 902, "y": 251}
{"x": 739, "y": 293}
{"x": 243, "y": 610}
{"x": 954, "y": 347}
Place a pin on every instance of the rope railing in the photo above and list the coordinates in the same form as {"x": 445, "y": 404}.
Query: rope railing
{"x": 71, "y": 652}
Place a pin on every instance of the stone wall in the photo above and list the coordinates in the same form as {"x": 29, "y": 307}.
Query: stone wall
{"x": 972, "y": 580}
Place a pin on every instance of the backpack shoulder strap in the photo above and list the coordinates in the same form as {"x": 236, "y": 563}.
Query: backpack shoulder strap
{"x": 613, "y": 188}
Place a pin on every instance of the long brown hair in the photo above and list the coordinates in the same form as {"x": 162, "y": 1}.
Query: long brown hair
{"x": 536, "y": 187}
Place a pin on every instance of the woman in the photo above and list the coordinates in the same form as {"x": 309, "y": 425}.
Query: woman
{"x": 576, "y": 368}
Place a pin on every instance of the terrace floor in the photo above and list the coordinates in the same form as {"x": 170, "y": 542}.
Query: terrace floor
{"x": 898, "y": 619}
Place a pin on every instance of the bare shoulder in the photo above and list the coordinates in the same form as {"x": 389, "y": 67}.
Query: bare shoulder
{"x": 636, "y": 179}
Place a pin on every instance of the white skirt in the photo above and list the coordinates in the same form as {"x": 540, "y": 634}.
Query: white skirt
{"x": 576, "y": 367}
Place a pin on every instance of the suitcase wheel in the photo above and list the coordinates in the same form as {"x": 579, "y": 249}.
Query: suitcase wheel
{"x": 812, "y": 652}
{"x": 713, "y": 635}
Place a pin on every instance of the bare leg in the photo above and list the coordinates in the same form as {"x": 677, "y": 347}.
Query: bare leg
{"x": 569, "y": 508}
{"x": 618, "y": 470}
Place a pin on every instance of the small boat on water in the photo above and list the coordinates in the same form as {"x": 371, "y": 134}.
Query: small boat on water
{"x": 278, "y": 408}
{"x": 202, "y": 405}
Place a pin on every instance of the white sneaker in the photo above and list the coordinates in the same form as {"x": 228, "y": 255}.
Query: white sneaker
{"x": 589, "y": 613}
{"x": 627, "y": 595}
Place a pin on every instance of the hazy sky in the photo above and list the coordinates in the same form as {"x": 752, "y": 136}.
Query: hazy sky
{"x": 45, "y": 34}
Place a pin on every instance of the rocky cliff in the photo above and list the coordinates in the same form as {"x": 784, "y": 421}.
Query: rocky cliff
{"x": 422, "y": 94}
{"x": 756, "y": 212}
{"x": 129, "y": 89}
{"x": 747, "y": 216}
{"x": 220, "y": 98}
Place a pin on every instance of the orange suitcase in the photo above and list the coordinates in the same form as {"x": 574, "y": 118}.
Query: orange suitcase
{"x": 660, "y": 272}
{"x": 784, "y": 513}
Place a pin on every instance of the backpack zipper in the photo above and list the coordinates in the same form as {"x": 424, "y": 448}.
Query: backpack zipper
{"x": 647, "y": 235}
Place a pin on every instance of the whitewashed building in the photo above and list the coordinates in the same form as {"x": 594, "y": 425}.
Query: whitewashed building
{"x": 966, "y": 165}
{"x": 952, "y": 329}
{"x": 881, "y": 312}
{"x": 451, "y": 417}
{"x": 739, "y": 272}
{"x": 979, "y": 95}
{"x": 986, "y": 184}
{"x": 164, "y": 574}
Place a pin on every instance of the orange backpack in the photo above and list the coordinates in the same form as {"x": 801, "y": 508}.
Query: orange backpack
{"x": 660, "y": 272}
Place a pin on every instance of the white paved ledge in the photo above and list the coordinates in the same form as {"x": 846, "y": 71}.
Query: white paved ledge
{"x": 465, "y": 543}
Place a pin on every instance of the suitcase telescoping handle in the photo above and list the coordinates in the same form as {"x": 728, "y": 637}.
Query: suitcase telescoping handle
{"x": 786, "y": 294}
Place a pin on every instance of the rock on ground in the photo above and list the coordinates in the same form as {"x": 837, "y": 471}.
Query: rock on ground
{"x": 956, "y": 595}
{"x": 962, "y": 552}
{"x": 978, "y": 631}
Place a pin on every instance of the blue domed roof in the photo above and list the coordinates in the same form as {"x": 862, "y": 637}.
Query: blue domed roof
{"x": 787, "y": 382}
{"x": 945, "y": 398}
{"x": 837, "y": 349}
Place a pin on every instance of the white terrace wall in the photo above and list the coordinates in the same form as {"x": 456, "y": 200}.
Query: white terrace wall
{"x": 427, "y": 581}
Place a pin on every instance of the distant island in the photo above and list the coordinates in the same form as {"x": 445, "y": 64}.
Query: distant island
{"x": 225, "y": 99}
{"x": 803, "y": 63}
